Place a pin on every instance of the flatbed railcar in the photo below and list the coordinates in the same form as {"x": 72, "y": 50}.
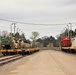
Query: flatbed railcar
{"x": 11, "y": 46}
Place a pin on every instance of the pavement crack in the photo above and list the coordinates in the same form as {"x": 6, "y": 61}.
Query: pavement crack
{"x": 61, "y": 67}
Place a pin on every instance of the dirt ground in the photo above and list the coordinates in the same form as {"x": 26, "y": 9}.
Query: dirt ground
{"x": 45, "y": 62}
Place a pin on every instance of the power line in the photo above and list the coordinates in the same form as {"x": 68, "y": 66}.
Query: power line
{"x": 34, "y": 23}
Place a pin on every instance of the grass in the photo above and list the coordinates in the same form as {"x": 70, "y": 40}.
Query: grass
{"x": 1, "y": 54}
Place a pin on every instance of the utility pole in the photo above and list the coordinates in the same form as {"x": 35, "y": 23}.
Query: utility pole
{"x": 70, "y": 26}
{"x": 70, "y": 29}
{"x": 11, "y": 28}
{"x": 17, "y": 29}
{"x": 65, "y": 31}
{"x": 0, "y": 39}
{"x": 14, "y": 27}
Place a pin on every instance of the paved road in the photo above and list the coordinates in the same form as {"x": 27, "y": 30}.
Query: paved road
{"x": 46, "y": 62}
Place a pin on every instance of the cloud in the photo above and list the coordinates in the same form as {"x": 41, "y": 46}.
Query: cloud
{"x": 38, "y": 11}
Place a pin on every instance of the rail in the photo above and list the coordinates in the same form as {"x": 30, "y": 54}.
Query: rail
{"x": 8, "y": 59}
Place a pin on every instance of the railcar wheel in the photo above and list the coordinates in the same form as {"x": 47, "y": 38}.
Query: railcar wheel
{"x": 23, "y": 52}
{"x": 7, "y": 53}
{"x": 73, "y": 51}
{"x": 69, "y": 50}
{"x": 4, "y": 54}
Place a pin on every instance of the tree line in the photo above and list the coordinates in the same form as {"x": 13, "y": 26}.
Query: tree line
{"x": 36, "y": 42}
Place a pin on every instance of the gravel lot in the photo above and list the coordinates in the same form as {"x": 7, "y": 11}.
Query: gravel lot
{"x": 45, "y": 62}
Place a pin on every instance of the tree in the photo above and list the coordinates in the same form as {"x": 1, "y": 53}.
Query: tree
{"x": 33, "y": 37}
{"x": 17, "y": 35}
{"x": 50, "y": 45}
{"x": 4, "y": 34}
{"x": 74, "y": 33}
{"x": 27, "y": 41}
{"x": 23, "y": 37}
{"x": 46, "y": 40}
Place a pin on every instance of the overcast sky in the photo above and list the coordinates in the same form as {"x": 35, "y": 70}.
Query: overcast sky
{"x": 39, "y": 12}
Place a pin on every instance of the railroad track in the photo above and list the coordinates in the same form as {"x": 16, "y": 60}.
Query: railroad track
{"x": 4, "y": 60}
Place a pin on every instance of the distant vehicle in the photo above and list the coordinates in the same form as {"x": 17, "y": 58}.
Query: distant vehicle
{"x": 65, "y": 42}
{"x": 16, "y": 46}
{"x": 6, "y": 43}
{"x": 68, "y": 44}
